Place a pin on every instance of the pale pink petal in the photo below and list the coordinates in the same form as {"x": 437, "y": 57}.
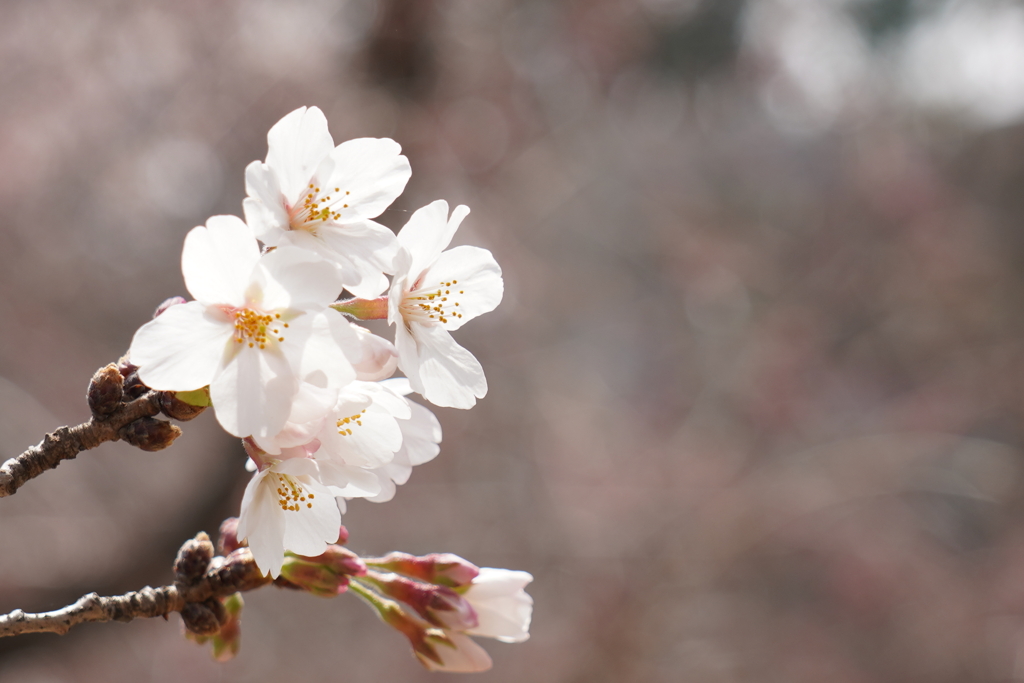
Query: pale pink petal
{"x": 503, "y": 608}
{"x": 311, "y": 528}
{"x": 364, "y": 250}
{"x": 264, "y": 208}
{"x": 379, "y": 359}
{"x": 371, "y": 171}
{"x": 440, "y": 370}
{"x": 181, "y": 349}
{"x": 360, "y": 432}
{"x": 217, "y": 260}
{"x": 295, "y": 278}
{"x": 469, "y": 281}
{"x": 262, "y": 526}
{"x": 462, "y": 655}
{"x": 421, "y": 435}
{"x": 328, "y": 345}
{"x": 252, "y": 393}
{"x": 297, "y": 144}
{"x": 349, "y": 481}
{"x": 428, "y": 233}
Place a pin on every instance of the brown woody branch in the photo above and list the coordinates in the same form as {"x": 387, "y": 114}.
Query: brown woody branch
{"x": 115, "y": 416}
{"x": 224, "y": 577}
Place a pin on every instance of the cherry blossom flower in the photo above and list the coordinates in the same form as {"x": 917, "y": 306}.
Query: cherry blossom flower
{"x": 503, "y": 608}
{"x": 421, "y": 438}
{"x": 286, "y": 507}
{"x": 257, "y": 325}
{"x": 311, "y": 194}
{"x": 434, "y": 292}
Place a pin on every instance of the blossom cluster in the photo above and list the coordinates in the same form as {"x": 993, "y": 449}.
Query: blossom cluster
{"x": 270, "y": 345}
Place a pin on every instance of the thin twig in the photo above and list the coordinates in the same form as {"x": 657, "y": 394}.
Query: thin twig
{"x": 237, "y": 573}
{"x": 67, "y": 442}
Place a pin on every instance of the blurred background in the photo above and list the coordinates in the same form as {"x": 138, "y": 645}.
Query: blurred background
{"x": 756, "y": 384}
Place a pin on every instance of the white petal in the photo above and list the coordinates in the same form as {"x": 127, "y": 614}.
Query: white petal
{"x": 367, "y": 436}
{"x": 297, "y": 144}
{"x": 295, "y": 278}
{"x": 379, "y": 359}
{"x": 260, "y": 523}
{"x": 476, "y": 286}
{"x": 428, "y": 233}
{"x": 217, "y": 261}
{"x": 182, "y": 349}
{"x": 420, "y": 435}
{"x": 349, "y": 481}
{"x": 372, "y": 171}
{"x": 440, "y": 370}
{"x": 252, "y": 393}
{"x": 364, "y": 250}
{"x": 503, "y": 608}
{"x": 324, "y": 356}
{"x": 264, "y": 208}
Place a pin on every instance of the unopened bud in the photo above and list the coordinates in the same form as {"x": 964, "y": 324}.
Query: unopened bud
{"x": 340, "y": 560}
{"x": 326, "y": 574}
{"x": 313, "y": 578}
{"x": 149, "y": 433}
{"x": 193, "y": 558}
{"x": 443, "y": 569}
{"x": 199, "y": 619}
{"x": 227, "y": 537}
{"x": 133, "y": 386}
{"x": 172, "y": 406}
{"x": 217, "y": 608}
{"x": 227, "y": 642}
{"x": 438, "y": 605}
{"x": 342, "y": 535}
{"x": 106, "y": 390}
{"x": 173, "y": 301}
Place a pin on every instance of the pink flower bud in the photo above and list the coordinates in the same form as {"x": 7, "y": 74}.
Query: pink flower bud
{"x": 227, "y": 537}
{"x": 173, "y": 301}
{"x": 444, "y": 569}
{"x": 326, "y": 574}
{"x": 342, "y": 535}
{"x": 313, "y": 578}
{"x": 439, "y": 605}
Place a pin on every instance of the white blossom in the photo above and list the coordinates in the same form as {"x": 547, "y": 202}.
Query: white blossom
{"x": 258, "y": 324}
{"x": 502, "y": 605}
{"x": 286, "y": 507}
{"x": 311, "y": 194}
{"x": 434, "y": 292}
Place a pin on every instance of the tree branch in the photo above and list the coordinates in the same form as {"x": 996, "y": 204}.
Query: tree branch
{"x": 225, "y": 576}
{"x": 67, "y": 442}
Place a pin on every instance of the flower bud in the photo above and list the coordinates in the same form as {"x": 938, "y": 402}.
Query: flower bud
{"x": 193, "y": 558}
{"x": 198, "y": 619}
{"x": 149, "y": 433}
{"x": 228, "y": 613}
{"x": 443, "y": 569}
{"x": 227, "y": 537}
{"x": 106, "y": 390}
{"x": 436, "y": 649}
{"x": 342, "y": 535}
{"x": 227, "y": 642}
{"x": 313, "y": 578}
{"x": 174, "y": 407}
{"x": 133, "y": 386}
{"x": 173, "y": 301}
{"x": 438, "y": 605}
{"x": 325, "y": 575}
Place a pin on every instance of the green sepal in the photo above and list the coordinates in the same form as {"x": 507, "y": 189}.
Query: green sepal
{"x": 197, "y": 397}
